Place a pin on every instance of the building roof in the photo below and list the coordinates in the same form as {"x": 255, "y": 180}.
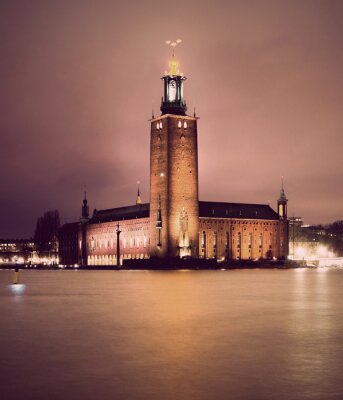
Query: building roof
{"x": 207, "y": 209}
{"x": 120, "y": 213}
{"x": 211, "y": 209}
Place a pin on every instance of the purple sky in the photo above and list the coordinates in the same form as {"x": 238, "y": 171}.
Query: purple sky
{"x": 78, "y": 80}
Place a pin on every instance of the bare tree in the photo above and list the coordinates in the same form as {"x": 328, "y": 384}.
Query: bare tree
{"x": 46, "y": 229}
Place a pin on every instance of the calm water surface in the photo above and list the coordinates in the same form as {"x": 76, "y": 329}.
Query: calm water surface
{"x": 247, "y": 334}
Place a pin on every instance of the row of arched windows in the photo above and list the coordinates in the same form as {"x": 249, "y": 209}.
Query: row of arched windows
{"x": 159, "y": 124}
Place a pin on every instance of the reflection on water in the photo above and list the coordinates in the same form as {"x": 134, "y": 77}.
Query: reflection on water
{"x": 241, "y": 334}
{"x": 17, "y": 289}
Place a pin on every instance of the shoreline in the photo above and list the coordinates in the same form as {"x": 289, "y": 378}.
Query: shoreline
{"x": 171, "y": 265}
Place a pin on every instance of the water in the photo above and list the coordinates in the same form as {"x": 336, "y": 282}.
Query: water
{"x": 202, "y": 335}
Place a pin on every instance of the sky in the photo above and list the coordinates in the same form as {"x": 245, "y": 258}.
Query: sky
{"x": 79, "y": 80}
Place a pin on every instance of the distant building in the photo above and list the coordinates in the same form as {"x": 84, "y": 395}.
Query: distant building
{"x": 175, "y": 223}
{"x": 16, "y": 250}
{"x": 296, "y": 222}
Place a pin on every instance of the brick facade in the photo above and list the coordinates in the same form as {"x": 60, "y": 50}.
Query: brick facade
{"x": 243, "y": 239}
{"x": 220, "y": 238}
{"x": 174, "y": 185}
{"x": 102, "y": 241}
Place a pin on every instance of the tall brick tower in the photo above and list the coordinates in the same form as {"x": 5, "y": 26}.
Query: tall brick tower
{"x": 174, "y": 197}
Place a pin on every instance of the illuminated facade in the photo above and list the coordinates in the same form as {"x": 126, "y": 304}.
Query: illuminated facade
{"x": 16, "y": 250}
{"x": 175, "y": 223}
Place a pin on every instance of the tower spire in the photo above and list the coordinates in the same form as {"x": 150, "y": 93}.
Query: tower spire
{"x": 282, "y": 192}
{"x": 282, "y": 202}
{"x": 138, "y": 200}
{"x": 85, "y": 207}
{"x": 172, "y": 101}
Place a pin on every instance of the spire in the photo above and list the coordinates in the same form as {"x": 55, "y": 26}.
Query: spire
{"x": 138, "y": 200}
{"x": 282, "y": 192}
{"x": 85, "y": 196}
{"x": 173, "y": 66}
{"x": 85, "y": 208}
{"x": 173, "y": 62}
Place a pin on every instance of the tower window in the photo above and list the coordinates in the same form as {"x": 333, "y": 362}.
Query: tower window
{"x": 179, "y": 124}
{"x": 203, "y": 239}
{"x": 239, "y": 240}
{"x": 185, "y": 124}
{"x": 250, "y": 240}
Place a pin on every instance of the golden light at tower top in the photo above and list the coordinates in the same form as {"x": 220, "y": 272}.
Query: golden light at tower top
{"x": 172, "y": 101}
{"x": 173, "y": 62}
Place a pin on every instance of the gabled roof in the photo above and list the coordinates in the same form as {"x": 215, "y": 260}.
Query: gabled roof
{"x": 120, "y": 213}
{"x": 212, "y": 209}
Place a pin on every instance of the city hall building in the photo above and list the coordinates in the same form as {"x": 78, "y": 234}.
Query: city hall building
{"x": 175, "y": 223}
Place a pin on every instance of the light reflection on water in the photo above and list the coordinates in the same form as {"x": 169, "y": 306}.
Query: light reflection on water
{"x": 17, "y": 289}
{"x": 172, "y": 335}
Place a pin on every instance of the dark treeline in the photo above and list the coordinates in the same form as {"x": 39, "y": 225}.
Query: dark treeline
{"x": 46, "y": 230}
{"x": 336, "y": 228}
{"x": 331, "y": 235}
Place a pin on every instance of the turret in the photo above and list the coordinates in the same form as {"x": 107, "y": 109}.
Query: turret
{"x": 84, "y": 210}
{"x": 282, "y": 203}
{"x": 138, "y": 199}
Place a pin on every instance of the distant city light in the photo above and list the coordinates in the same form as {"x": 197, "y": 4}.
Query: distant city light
{"x": 311, "y": 251}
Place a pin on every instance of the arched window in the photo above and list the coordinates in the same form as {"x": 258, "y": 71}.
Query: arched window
{"x": 239, "y": 240}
